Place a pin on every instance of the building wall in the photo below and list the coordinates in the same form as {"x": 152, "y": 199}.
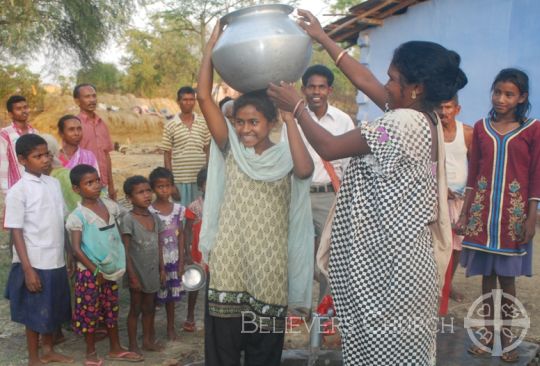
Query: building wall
{"x": 489, "y": 35}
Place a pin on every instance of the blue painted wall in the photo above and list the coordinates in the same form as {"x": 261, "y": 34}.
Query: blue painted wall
{"x": 489, "y": 35}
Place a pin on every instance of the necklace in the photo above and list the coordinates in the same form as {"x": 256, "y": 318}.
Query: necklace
{"x": 140, "y": 214}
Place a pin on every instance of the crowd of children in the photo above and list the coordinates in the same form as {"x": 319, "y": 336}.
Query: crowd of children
{"x": 97, "y": 243}
{"x": 258, "y": 223}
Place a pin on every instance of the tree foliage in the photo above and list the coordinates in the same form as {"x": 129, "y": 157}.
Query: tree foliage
{"x": 196, "y": 16}
{"x": 161, "y": 60}
{"x": 78, "y": 27}
{"x": 17, "y": 79}
{"x": 105, "y": 77}
{"x": 342, "y": 6}
{"x": 153, "y": 67}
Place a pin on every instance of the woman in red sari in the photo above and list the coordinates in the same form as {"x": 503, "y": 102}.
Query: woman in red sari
{"x": 503, "y": 190}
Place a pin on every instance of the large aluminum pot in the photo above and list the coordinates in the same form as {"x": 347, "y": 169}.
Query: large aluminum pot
{"x": 259, "y": 45}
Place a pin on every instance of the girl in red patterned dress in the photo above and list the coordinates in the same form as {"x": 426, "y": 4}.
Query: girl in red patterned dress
{"x": 503, "y": 189}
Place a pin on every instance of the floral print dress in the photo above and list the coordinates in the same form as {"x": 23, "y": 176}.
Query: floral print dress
{"x": 504, "y": 174}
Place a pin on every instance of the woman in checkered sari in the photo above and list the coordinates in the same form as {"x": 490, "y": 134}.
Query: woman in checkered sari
{"x": 382, "y": 264}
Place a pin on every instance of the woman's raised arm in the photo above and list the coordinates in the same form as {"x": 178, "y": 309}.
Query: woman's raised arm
{"x": 328, "y": 146}
{"x": 358, "y": 74}
{"x": 210, "y": 110}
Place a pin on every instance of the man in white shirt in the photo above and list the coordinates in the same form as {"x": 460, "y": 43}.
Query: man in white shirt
{"x": 317, "y": 87}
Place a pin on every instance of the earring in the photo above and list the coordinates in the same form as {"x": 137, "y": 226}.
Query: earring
{"x": 413, "y": 95}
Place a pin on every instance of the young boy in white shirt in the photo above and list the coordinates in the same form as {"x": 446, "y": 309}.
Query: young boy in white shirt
{"x": 38, "y": 287}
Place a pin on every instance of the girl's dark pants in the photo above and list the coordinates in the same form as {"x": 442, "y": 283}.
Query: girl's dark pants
{"x": 224, "y": 340}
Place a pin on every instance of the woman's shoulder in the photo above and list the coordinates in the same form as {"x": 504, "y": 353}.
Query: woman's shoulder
{"x": 403, "y": 119}
{"x": 479, "y": 123}
{"x": 535, "y": 123}
{"x": 86, "y": 154}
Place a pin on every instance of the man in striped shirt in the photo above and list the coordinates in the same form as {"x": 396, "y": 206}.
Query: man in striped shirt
{"x": 185, "y": 145}
{"x": 10, "y": 168}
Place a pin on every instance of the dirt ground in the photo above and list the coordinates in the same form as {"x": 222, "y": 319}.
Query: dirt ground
{"x": 141, "y": 159}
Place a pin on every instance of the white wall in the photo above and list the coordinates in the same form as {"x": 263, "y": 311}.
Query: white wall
{"x": 489, "y": 35}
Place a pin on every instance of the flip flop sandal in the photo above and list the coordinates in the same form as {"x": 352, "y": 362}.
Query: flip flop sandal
{"x": 124, "y": 356}
{"x": 99, "y": 362}
{"x": 189, "y": 326}
{"x": 476, "y": 351}
{"x": 510, "y": 357}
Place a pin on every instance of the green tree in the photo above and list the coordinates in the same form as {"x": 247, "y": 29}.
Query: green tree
{"x": 78, "y": 27}
{"x": 17, "y": 79}
{"x": 160, "y": 60}
{"x": 197, "y": 15}
{"x": 342, "y": 6}
{"x": 67, "y": 83}
{"x": 106, "y": 77}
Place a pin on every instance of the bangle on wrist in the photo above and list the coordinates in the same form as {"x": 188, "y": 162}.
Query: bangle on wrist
{"x": 339, "y": 57}
{"x": 300, "y": 113}
{"x": 297, "y": 106}
{"x": 96, "y": 271}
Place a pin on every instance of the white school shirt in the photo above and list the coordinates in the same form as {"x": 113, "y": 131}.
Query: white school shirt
{"x": 35, "y": 205}
{"x": 337, "y": 123}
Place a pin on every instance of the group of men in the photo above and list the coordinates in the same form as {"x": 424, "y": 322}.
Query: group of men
{"x": 96, "y": 137}
{"x": 186, "y": 139}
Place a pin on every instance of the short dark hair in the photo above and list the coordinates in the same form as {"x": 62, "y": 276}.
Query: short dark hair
{"x": 131, "y": 182}
{"x": 223, "y": 101}
{"x": 433, "y": 66}
{"x": 184, "y": 90}
{"x": 320, "y": 70}
{"x": 63, "y": 119}
{"x": 28, "y": 143}
{"x": 160, "y": 173}
{"x": 201, "y": 177}
{"x": 77, "y": 89}
{"x": 78, "y": 172}
{"x": 454, "y": 99}
{"x": 12, "y": 100}
{"x": 260, "y": 100}
{"x": 521, "y": 80}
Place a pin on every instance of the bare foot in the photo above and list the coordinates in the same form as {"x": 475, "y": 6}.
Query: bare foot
{"x": 53, "y": 356}
{"x": 456, "y": 296}
{"x": 171, "y": 334}
{"x": 152, "y": 347}
{"x": 36, "y": 362}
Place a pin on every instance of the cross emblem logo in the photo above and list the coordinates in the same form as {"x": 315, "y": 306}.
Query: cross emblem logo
{"x": 488, "y": 320}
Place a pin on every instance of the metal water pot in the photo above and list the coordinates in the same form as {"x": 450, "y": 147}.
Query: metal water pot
{"x": 259, "y": 45}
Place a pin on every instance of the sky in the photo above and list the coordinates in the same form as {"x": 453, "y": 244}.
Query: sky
{"x": 114, "y": 52}
{"x": 111, "y": 54}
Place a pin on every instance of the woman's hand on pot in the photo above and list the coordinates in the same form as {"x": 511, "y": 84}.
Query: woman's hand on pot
{"x": 284, "y": 96}
{"x": 310, "y": 24}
